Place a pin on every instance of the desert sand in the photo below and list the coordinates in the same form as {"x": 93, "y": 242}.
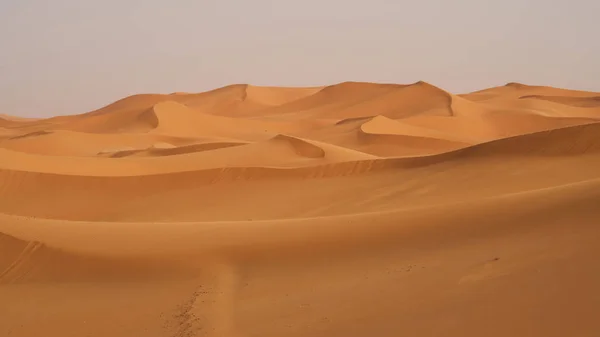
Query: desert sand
{"x": 355, "y": 209}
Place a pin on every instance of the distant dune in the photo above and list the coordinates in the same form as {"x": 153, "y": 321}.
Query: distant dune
{"x": 580, "y": 102}
{"x": 353, "y": 209}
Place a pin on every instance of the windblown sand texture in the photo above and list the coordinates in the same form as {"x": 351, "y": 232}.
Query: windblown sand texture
{"x": 356, "y": 209}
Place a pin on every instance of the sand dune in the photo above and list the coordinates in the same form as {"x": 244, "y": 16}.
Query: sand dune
{"x": 167, "y": 149}
{"x": 385, "y": 137}
{"x": 381, "y": 131}
{"x": 514, "y": 90}
{"x": 575, "y": 140}
{"x": 243, "y": 100}
{"x": 172, "y": 118}
{"x": 70, "y": 143}
{"x": 583, "y": 102}
{"x": 347, "y": 210}
{"x": 484, "y": 121}
{"x": 353, "y": 100}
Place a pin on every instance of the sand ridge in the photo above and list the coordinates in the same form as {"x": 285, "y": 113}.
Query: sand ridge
{"x": 350, "y": 209}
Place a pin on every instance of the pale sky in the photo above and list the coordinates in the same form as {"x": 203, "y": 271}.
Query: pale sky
{"x": 72, "y": 56}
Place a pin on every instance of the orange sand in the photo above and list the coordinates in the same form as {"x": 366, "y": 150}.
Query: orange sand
{"x": 356, "y": 209}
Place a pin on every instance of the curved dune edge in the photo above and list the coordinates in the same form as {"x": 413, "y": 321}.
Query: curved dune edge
{"x": 580, "y": 139}
{"x": 301, "y": 147}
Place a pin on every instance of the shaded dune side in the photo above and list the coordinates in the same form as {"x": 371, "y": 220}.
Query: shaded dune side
{"x": 165, "y": 115}
{"x": 120, "y": 116}
{"x": 301, "y": 147}
{"x": 132, "y": 113}
{"x": 134, "y": 102}
{"x": 404, "y": 101}
{"x": 177, "y": 119}
{"x": 129, "y": 120}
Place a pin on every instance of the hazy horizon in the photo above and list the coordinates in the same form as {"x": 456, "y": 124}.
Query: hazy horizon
{"x": 68, "y": 57}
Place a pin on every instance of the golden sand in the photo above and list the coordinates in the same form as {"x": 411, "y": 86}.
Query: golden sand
{"x": 357, "y": 209}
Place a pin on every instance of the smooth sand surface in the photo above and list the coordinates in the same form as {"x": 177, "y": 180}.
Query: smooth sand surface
{"x": 356, "y": 209}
